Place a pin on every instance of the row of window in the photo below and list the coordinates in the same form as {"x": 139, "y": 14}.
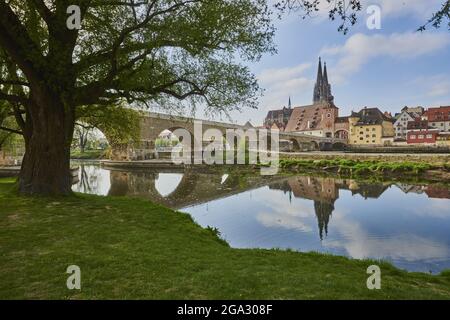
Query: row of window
{"x": 420, "y": 136}
{"x": 367, "y": 141}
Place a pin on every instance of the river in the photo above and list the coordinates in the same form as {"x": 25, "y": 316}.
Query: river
{"x": 406, "y": 224}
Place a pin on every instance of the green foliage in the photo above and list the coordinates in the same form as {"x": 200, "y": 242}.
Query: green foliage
{"x": 118, "y": 123}
{"x": 354, "y": 167}
{"x": 152, "y": 51}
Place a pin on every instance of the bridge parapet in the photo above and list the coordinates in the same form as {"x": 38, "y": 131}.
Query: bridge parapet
{"x": 153, "y": 124}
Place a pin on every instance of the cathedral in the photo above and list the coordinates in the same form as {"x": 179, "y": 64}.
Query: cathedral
{"x": 322, "y": 89}
{"x": 321, "y": 118}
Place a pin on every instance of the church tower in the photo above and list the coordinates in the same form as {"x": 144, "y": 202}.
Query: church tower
{"x": 322, "y": 89}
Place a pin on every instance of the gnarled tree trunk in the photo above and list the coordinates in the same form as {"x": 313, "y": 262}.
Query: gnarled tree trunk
{"x": 48, "y": 135}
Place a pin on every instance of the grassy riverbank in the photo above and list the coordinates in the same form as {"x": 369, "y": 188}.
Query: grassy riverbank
{"x": 369, "y": 168}
{"x": 130, "y": 248}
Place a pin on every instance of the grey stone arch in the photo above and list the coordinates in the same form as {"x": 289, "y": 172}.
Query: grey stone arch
{"x": 314, "y": 145}
{"x": 297, "y": 146}
{"x": 234, "y": 145}
{"x": 172, "y": 128}
{"x": 338, "y": 135}
{"x": 143, "y": 184}
{"x": 339, "y": 146}
{"x": 325, "y": 146}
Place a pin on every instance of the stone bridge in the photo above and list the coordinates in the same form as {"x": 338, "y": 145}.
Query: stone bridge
{"x": 153, "y": 124}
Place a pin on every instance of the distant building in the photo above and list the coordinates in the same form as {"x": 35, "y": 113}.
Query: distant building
{"x": 316, "y": 120}
{"x": 419, "y": 131}
{"x": 438, "y": 118}
{"x": 402, "y": 119}
{"x": 322, "y": 89}
{"x": 370, "y": 126}
{"x": 278, "y": 119}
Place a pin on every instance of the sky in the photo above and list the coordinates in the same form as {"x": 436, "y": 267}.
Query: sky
{"x": 388, "y": 68}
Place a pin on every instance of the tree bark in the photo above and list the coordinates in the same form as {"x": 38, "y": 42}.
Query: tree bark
{"x": 48, "y": 135}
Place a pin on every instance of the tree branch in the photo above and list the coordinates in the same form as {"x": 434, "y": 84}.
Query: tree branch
{"x": 11, "y": 130}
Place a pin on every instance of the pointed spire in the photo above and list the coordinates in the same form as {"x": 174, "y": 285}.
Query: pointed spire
{"x": 289, "y": 103}
{"x": 319, "y": 72}
{"x": 325, "y": 75}
{"x": 318, "y": 86}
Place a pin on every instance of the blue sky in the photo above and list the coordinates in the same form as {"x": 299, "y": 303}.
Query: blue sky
{"x": 387, "y": 68}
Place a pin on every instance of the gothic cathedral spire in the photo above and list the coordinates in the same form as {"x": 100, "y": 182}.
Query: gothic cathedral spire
{"x": 322, "y": 89}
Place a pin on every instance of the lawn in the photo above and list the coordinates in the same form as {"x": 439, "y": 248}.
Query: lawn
{"x": 130, "y": 248}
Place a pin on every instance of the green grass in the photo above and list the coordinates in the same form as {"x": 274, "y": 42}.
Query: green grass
{"x": 357, "y": 168}
{"x": 130, "y": 248}
{"x": 88, "y": 154}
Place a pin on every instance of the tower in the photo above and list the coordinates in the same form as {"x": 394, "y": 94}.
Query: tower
{"x": 322, "y": 89}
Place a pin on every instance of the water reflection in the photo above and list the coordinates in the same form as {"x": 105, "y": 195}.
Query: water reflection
{"x": 407, "y": 224}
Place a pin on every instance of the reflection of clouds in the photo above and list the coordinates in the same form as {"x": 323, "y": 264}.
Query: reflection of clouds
{"x": 283, "y": 220}
{"x": 359, "y": 244}
{"x": 296, "y": 215}
{"x": 437, "y": 208}
{"x": 280, "y": 204}
{"x": 166, "y": 183}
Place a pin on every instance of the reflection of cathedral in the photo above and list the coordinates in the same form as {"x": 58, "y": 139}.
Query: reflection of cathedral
{"x": 323, "y": 213}
{"x": 323, "y": 191}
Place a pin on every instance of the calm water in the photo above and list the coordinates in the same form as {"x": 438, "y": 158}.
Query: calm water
{"x": 408, "y": 225}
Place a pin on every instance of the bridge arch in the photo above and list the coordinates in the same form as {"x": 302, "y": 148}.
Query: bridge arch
{"x": 339, "y": 146}
{"x": 314, "y": 145}
{"x": 341, "y": 134}
{"x": 296, "y": 145}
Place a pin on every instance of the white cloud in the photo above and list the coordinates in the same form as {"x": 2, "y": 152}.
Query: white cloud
{"x": 281, "y": 83}
{"x": 434, "y": 86}
{"x": 360, "y": 49}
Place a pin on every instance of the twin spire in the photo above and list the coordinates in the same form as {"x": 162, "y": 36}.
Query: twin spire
{"x": 322, "y": 89}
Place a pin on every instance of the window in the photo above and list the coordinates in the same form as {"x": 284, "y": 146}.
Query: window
{"x": 367, "y": 135}
{"x": 361, "y": 138}
{"x": 374, "y": 135}
{"x": 328, "y": 115}
{"x": 413, "y": 137}
{"x": 373, "y": 129}
{"x": 429, "y": 136}
{"x": 373, "y": 141}
{"x": 421, "y": 136}
{"x": 367, "y": 129}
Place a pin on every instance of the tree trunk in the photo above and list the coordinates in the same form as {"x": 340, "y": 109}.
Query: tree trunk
{"x": 48, "y": 135}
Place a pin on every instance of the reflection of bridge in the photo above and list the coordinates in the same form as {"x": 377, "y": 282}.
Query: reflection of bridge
{"x": 152, "y": 124}
{"x": 193, "y": 187}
